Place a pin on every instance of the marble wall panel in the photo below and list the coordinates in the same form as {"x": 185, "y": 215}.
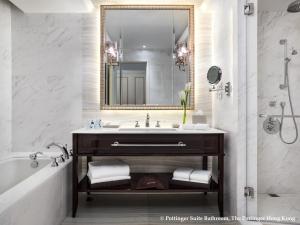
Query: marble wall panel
{"x": 46, "y": 88}
{"x": 5, "y": 77}
{"x": 278, "y": 163}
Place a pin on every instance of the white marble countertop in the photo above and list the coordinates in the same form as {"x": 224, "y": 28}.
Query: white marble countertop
{"x": 145, "y": 131}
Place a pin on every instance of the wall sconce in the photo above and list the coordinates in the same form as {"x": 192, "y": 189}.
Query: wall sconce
{"x": 181, "y": 55}
{"x": 111, "y": 51}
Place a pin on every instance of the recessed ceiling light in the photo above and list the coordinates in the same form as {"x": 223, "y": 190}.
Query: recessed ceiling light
{"x": 144, "y": 46}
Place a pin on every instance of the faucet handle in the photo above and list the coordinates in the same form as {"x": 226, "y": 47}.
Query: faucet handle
{"x": 54, "y": 162}
{"x": 157, "y": 124}
{"x": 33, "y": 156}
{"x": 137, "y": 124}
{"x": 61, "y": 159}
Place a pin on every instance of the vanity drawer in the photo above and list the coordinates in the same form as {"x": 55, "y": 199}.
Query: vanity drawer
{"x": 147, "y": 144}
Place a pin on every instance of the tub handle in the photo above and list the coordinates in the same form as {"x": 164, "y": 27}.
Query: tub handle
{"x": 54, "y": 162}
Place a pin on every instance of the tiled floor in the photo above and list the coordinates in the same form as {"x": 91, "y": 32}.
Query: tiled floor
{"x": 143, "y": 209}
{"x": 287, "y": 205}
{"x": 118, "y": 209}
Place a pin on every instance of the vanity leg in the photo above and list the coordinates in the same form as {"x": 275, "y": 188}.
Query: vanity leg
{"x": 75, "y": 177}
{"x": 220, "y": 184}
{"x": 204, "y": 166}
{"x": 88, "y": 159}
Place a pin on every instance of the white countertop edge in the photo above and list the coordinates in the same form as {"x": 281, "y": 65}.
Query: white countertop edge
{"x": 117, "y": 131}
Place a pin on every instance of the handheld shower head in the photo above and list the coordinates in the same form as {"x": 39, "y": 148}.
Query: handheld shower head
{"x": 283, "y": 41}
{"x": 294, "y": 7}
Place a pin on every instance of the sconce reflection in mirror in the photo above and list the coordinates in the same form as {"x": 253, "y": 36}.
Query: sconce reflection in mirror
{"x": 111, "y": 52}
{"x": 181, "y": 55}
{"x": 214, "y": 76}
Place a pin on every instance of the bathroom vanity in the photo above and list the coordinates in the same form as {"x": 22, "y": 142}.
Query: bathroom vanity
{"x": 148, "y": 142}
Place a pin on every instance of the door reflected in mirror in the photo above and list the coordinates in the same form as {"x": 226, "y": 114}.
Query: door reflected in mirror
{"x": 143, "y": 67}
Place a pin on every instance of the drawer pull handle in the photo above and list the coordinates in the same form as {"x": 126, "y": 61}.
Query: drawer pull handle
{"x": 117, "y": 144}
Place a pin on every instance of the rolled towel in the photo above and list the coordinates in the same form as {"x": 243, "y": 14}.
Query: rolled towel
{"x": 108, "y": 179}
{"x": 182, "y": 173}
{"x": 108, "y": 168}
{"x": 201, "y": 176}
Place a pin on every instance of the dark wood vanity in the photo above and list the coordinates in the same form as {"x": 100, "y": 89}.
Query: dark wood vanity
{"x": 148, "y": 144}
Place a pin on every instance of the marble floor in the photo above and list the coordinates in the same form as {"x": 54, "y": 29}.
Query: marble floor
{"x": 143, "y": 209}
{"x": 287, "y": 205}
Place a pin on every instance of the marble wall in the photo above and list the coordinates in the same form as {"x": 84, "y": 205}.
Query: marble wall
{"x": 226, "y": 45}
{"x": 46, "y": 88}
{"x": 5, "y": 77}
{"x": 278, "y": 163}
{"x": 227, "y": 107}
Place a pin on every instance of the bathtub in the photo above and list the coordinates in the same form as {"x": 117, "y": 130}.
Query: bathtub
{"x": 34, "y": 196}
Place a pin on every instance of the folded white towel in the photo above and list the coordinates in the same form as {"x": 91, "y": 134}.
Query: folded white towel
{"x": 182, "y": 173}
{"x": 180, "y": 179}
{"x": 108, "y": 179}
{"x": 198, "y": 126}
{"x": 108, "y": 168}
{"x": 200, "y": 176}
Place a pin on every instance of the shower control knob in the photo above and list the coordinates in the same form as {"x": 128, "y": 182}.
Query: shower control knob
{"x": 271, "y": 125}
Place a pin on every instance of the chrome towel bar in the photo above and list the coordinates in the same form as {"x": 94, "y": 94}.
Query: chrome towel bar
{"x": 286, "y": 116}
{"x": 117, "y": 144}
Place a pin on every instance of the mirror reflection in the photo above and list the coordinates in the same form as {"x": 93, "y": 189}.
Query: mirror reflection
{"x": 146, "y": 56}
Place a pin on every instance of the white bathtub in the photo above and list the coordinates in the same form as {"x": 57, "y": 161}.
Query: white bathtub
{"x": 33, "y": 196}
{"x": 15, "y": 170}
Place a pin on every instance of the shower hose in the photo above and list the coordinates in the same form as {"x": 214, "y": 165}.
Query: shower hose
{"x": 293, "y": 116}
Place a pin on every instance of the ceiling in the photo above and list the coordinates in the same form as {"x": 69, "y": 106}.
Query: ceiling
{"x": 273, "y": 5}
{"x": 151, "y": 28}
{"x": 54, "y": 6}
{"x": 84, "y": 6}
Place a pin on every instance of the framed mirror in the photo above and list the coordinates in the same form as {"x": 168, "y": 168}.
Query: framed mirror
{"x": 147, "y": 56}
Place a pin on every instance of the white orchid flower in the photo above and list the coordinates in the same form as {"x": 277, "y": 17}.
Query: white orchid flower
{"x": 182, "y": 95}
{"x": 188, "y": 86}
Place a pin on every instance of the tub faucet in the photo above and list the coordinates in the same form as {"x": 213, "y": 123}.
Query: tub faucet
{"x": 147, "y": 120}
{"x": 63, "y": 148}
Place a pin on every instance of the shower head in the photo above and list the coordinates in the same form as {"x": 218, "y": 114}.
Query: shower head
{"x": 294, "y": 7}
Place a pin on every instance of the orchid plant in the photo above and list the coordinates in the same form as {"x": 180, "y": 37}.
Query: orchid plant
{"x": 184, "y": 97}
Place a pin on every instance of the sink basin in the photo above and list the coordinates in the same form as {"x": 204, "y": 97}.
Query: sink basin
{"x": 148, "y": 129}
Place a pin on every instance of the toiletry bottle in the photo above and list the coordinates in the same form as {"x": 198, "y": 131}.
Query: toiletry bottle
{"x": 92, "y": 124}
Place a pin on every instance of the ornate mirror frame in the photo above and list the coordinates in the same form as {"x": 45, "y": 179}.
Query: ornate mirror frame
{"x": 190, "y": 9}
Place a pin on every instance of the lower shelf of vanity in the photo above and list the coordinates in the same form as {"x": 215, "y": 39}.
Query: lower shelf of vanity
{"x": 131, "y": 185}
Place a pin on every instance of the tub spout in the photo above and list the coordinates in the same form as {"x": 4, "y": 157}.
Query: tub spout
{"x": 63, "y": 148}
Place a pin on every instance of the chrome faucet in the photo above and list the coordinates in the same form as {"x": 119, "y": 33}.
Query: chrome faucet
{"x": 147, "y": 120}
{"x": 63, "y": 148}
